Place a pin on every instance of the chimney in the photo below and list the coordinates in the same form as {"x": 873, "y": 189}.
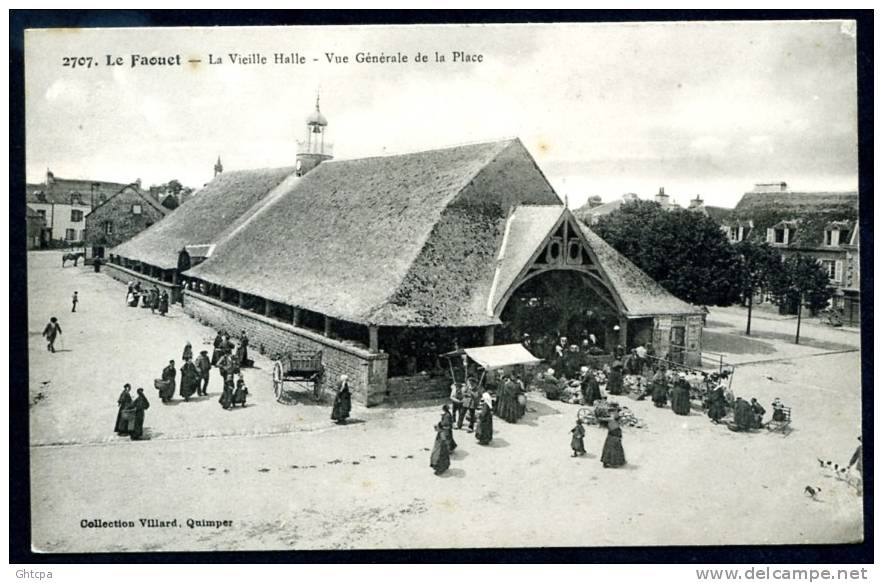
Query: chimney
{"x": 771, "y": 187}
{"x": 661, "y": 197}
{"x": 50, "y": 177}
{"x": 697, "y": 202}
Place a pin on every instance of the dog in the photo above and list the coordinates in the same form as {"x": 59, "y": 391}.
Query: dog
{"x": 812, "y": 492}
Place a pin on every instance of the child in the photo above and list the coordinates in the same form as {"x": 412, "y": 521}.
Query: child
{"x": 576, "y": 442}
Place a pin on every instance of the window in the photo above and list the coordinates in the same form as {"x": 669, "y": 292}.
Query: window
{"x": 136, "y": 209}
{"x": 76, "y": 198}
{"x": 70, "y": 235}
{"x": 737, "y": 234}
{"x": 833, "y": 268}
{"x": 832, "y": 237}
{"x": 780, "y": 236}
{"x": 76, "y": 216}
{"x": 108, "y": 228}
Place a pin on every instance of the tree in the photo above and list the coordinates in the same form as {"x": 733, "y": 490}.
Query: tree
{"x": 684, "y": 251}
{"x": 802, "y": 280}
{"x": 759, "y": 263}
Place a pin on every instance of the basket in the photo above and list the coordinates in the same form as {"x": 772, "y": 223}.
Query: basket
{"x": 522, "y": 400}
{"x": 160, "y": 384}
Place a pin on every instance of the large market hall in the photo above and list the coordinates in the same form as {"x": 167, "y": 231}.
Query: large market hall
{"x": 384, "y": 263}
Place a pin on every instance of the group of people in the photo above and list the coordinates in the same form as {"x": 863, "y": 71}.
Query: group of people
{"x": 153, "y": 298}
{"x": 130, "y": 413}
{"x": 664, "y": 387}
{"x": 612, "y": 454}
{"x": 440, "y": 458}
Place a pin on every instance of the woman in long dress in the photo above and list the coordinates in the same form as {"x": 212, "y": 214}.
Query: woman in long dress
{"x": 123, "y": 402}
{"x": 743, "y": 415}
{"x": 577, "y": 443}
{"x": 507, "y": 401}
{"x": 484, "y": 431}
{"x": 167, "y": 392}
{"x": 226, "y": 399}
{"x": 614, "y": 379}
{"x": 241, "y": 393}
{"x": 447, "y": 425}
{"x": 189, "y": 379}
{"x": 188, "y": 351}
{"x": 218, "y": 351}
{"x": 440, "y": 459}
{"x": 613, "y": 456}
{"x": 591, "y": 389}
{"x": 342, "y": 402}
{"x": 717, "y": 404}
{"x": 137, "y": 409}
{"x": 680, "y": 398}
{"x": 660, "y": 388}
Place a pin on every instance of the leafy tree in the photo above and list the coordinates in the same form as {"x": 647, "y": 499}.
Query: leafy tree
{"x": 684, "y": 251}
{"x": 759, "y": 264}
{"x": 802, "y": 281}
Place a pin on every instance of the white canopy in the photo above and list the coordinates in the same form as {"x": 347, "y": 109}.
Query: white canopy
{"x": 493, "y": 357}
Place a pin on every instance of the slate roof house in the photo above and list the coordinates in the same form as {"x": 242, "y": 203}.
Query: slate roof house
{"x": 121, "y": 217}
{"x": 64, "y": 204}
{"x": 353, "y": 255}
{"x": 820, "y": 224}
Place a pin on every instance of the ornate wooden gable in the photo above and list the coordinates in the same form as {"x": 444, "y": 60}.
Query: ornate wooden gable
{"x": 565, "y": 248}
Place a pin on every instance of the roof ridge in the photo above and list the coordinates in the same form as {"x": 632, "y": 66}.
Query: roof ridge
{"x": 508, "y": 141}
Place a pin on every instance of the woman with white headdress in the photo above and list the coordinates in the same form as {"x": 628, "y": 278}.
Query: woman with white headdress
{"x": 342, "y": 401}
{"x": 484, "y": 431}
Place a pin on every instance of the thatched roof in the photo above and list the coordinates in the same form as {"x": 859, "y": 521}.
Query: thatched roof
{"x": 204, "y": 218}
{"x": 404, "y": 240}
{"x": 639, "y": 293}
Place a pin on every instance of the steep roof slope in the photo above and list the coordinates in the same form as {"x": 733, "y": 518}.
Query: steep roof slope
{"x": 404, "y": 240}
{"x": 813, "y": 210}
{"x": 204, "y": 218}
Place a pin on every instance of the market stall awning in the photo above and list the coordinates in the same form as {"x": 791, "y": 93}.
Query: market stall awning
{"x": 492, "y": 357}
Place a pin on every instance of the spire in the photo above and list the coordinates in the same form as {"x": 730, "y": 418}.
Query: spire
{"x": 218, "y": 166}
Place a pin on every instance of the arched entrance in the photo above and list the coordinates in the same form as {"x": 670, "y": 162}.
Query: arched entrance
{"x": 559, "y": 302}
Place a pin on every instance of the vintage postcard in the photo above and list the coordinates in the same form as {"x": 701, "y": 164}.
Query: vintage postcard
{"x": 443, "y": 286}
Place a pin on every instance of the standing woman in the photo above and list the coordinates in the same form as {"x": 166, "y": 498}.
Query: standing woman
{"x": 447, "y": 425}
{"x": 717, "y": 404}
{"x": 342, "y": 401}
{"x": 189, "y": 378}
{"x": 484, "y": 432}
{"x": 614, "y": 379}
{"x": 168, "y": 388}
{"x": 613, "y": 456}
{"x": 440, "y": 459}
{"x": 660, "y": 388}
{"x": 226, "y": 399}
{"x": 164, "y": 303}
{"x": 123, "y": 402}
{"x": 680, "y": 397}
{"x": 138, "y": 407}
{"x": 188, "y": 351}
{"x": 217, "y": 352}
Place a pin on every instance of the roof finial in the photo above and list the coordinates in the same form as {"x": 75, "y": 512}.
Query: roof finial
{"x": 317, "y": 100}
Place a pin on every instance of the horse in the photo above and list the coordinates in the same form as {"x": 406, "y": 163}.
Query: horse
{"x": 75, "y": 257}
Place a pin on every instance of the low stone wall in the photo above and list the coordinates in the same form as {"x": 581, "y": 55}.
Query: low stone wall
{"x": 417, "y": 388}
{"x": 366, "y": 371}
{"x": 125, "y": 275}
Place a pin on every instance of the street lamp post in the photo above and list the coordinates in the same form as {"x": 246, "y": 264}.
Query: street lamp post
{"x": 799, "y": 312}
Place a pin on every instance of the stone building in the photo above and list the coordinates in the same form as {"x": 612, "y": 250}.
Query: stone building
{"x": 64, "y": 203}
{"x": 36, "y": 232}
{"x": 119, "y": 218}
{"x": 823, "y": 225}
{"x": 371, "y": 260}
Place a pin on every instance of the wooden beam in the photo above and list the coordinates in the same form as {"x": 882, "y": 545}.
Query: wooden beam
{"x": 623, "y": 331}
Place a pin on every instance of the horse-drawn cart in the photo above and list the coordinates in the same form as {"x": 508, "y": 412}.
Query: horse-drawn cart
{"x": 302, "y": 368}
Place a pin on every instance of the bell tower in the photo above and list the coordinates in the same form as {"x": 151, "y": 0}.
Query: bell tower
{"x": 315, "y": 149}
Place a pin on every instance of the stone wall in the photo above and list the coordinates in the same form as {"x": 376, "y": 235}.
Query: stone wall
{"x": 367, "y": 372}
{"x": 126, "y": 275}
{"x": 417, "y": 388}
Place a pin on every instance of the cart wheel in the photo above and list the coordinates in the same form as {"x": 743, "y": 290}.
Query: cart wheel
{"x": 277, "y": 380}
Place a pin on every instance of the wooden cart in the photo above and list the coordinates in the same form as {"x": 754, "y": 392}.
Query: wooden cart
{"x": 302, "y": 369}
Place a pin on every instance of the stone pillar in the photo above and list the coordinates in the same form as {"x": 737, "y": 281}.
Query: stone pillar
{"x": 223, "y": 296}
{"x": 327, "y": 331}
{"x": 373, "y": 339}
{"x": 295, "y": 316}
{"x": 489, "y": 336}
{"x": 267, "y": 310}
{"x": 241, "y": 302}
{"x": 624, "y": 331}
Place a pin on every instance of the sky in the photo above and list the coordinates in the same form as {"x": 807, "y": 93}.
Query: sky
{"x": 704, "y": 109}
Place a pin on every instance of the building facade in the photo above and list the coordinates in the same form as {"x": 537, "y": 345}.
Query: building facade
{"x": 36, "y": 230}
{"x": 64, "y": 203}
{"x": 119, "y": 218}
{"x": 823, "y": 225}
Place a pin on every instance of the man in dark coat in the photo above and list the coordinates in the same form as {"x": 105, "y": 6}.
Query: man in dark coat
{"x": 189, "y": 379}
{"x": 138, "y": 407}
{"x": 340, "y": 411}
{"x": 123, "y": 402}
{"x": 204, "y": 366}
{"x": 51, "y": 332}
{"x": 225, "y": 365}
{"x": 168, "y": 375}
{"x": 470, "y": 402}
